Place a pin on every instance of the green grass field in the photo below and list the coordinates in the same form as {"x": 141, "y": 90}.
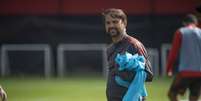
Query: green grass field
{"x": 72, "y": 89}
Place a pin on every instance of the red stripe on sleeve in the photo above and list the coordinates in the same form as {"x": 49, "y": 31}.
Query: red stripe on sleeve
{"x": 176, "y": 44}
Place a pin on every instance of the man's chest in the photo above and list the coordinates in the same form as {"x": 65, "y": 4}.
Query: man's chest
{"x": 118, "y": 49}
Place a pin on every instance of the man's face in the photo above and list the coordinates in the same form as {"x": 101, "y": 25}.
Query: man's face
{"x": 114, "y": 26}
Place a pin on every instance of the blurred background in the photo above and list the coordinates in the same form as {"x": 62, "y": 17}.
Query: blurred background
{"x": 55, "y": 49}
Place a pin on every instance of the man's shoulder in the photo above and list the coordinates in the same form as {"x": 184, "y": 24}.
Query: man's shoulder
{"x": 133, "y": 40}
{"x": 197, "y": 28}
{"x": 181, "y": 29}
{"x": 186, "y": 29}
{"x": 110, "y": 45}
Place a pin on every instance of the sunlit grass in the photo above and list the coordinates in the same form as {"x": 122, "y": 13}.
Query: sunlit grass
{"x": 72, "y": 89}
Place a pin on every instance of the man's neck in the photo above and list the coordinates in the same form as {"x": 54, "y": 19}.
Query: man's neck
{"x": 119, "y": 37}
{"x": 192, "y": 25}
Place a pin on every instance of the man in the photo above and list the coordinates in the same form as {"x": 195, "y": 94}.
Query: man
{"x": 3, "y": 96}
{"x": 115, "y": 25}
{"x": 186, "y": 45}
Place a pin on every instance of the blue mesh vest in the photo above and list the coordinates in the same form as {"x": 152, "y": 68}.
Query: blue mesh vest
{"x": 190, "y": 52}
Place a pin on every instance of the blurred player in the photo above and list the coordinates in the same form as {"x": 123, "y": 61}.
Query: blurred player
{"x": 186, "y": 45}
{"x": 3, "y": 96}
{"x": 115, "y": 25}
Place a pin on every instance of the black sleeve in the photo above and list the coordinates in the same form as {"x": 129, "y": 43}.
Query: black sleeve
{"x": 132, "y": 50}
{"x": 148, "y": 67}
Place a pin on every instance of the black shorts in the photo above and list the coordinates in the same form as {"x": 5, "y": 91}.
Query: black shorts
{"x": 180, "y": 85}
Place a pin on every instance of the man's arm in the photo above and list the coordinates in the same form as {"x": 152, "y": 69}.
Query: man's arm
{"x": 148, "y": 66}
{"x": 176, "y": 44}
{"x": 140, "y": 49}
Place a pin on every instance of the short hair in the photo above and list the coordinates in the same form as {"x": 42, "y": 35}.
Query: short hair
{"x": 190, "y": 18}
{"x": 115, "y": 13}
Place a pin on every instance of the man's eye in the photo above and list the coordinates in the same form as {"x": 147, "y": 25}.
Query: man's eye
{"x": 114, "y": 22}
{"x": 107, "y": 22}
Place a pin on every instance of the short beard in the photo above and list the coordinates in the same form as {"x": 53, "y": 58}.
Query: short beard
{"x": 113, "y": 32}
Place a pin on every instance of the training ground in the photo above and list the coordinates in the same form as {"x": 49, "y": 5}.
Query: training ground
{"x": 73, "y": 89}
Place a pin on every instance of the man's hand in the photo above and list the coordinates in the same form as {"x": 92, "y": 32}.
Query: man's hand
{"x": 3, "y": 96}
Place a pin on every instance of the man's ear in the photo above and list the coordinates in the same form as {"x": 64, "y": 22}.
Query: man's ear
{"x": 124, "y": 23}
